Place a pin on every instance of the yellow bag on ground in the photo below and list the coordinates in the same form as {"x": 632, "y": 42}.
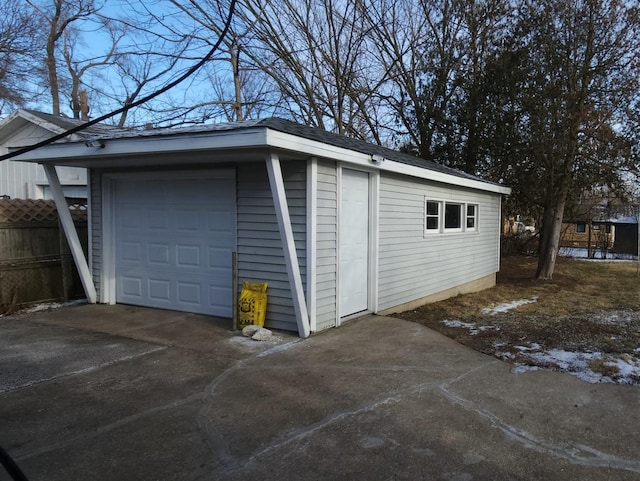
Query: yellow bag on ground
{"x": 252, "y": 305}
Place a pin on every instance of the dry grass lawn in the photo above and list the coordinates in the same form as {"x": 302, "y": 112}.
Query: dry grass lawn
{"x": 587, "y": 307}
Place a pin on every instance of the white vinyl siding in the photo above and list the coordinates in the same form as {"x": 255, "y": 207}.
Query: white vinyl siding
{"x": 260, "y": 253}
{"x": 26, "y": 180}
{"x": 16, "y": 179}
{"x": 412, "y": 265}
{"x": 326, "y": 244}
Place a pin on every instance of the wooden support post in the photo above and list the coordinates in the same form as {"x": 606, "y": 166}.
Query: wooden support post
{"x": 288, "y": 243}
{"x": 71, "y": 233}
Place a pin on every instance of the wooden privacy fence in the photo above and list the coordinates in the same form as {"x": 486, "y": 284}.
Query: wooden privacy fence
{"x": 35, "y": 260}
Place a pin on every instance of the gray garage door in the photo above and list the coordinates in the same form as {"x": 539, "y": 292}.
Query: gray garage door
{"x": 174, "y": 239}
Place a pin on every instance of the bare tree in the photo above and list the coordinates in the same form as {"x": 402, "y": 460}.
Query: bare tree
{"x": 316, "y": 54}
{"x": 78, "y": 66}
{"x": 19, "y": 34}
{"x": 59, "y": 16}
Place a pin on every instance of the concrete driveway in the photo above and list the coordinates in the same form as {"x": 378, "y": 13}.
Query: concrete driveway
{"x": 123, "y": 393}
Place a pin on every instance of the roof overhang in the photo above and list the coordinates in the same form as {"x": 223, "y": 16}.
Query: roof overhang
{"x": 286, "y": 141}
{"x": 19, "y": 119}
{"x": 148, "y": 150}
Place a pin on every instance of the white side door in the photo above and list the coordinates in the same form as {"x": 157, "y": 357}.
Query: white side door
{"x": 353, "y": 242}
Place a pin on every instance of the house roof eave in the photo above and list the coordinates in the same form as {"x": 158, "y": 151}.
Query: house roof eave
{"x": 273, "y": 134}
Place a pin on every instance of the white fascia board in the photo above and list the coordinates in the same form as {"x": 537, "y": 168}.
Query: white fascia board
{"x": 45, "y": 124}
{"x": 68, "y": 154}
{"x": 286, "y": 141}
{"x": 400, "y": 168}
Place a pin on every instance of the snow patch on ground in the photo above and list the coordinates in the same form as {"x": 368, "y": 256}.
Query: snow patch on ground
{"x": 473, "y": 328}
{"x": 599, "y": 255}
{"x": 49, "y": 306}
{"x": 43, "y": 307}
{"x": 492, "y": 311}
{"x": 593, "y": 367}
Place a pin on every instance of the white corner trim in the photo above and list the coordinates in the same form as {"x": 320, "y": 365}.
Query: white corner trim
{"x": 89, "y": 224}
{"x": 71, "y": 233}
{"x": 312, "y": 240}
{"x": 108, "y": 230}
{"x": 337, "y": 322}
{"x": 374, "y": 238}
{"x": 276, "y": 182}
{"x": 500, "y": 232}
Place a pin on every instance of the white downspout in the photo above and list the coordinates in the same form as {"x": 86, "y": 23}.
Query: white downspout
{"x": 276, "y": 183}
{"x": 70, "y": 233}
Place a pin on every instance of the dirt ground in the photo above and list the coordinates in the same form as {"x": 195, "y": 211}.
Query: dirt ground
{"x": 590, "y": 311}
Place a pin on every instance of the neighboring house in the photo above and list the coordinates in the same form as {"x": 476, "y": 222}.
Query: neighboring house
{"x": 21, "y": 180}
{"x": 336, "y": 226}
{"x": 582, "y": 234}
{"x": 626, "y": 241}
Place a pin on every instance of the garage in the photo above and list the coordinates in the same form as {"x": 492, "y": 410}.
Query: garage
{"x": 174, "y": 237}
{"x": 336, "y": 227}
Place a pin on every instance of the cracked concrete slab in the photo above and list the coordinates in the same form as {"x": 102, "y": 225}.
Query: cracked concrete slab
{"x": 378, "y": 399}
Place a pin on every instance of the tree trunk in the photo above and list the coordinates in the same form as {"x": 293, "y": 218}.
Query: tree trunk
{"x": 52, "y": 67}
{"x": 234, "y": 52}
{"x": 52, "y": 73}
{"x": 550, "y": 238}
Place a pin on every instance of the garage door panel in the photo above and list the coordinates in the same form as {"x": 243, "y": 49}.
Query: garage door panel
{"x": 158, "y": 254}
{"x": 188, "y": 220}
{"x": 189, "y": 293}
{"x": 155, "y": 218}
{"x": 159, "y": 289}
{"x": 131, "y": 251}
{"x": 188, "y": 256}
{"x": 130, "y": 218}
{"x": 131, "y": 286}
{"x": 174, "y": 241}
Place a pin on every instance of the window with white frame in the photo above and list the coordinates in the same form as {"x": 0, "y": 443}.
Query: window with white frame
{"x": 452, "y": 216}
{"x": 432, "y": 212}
{"x": 472, "y": 217}
{"x": 446, "y": 216}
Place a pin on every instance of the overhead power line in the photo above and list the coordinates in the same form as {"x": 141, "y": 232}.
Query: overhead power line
{"x": 169, "y": 86}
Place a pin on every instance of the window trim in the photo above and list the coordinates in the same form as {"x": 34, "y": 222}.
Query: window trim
{"x": 476, "y": 208}
{"x": 442, "y": 204}
{"x": 438, "y": 216}
{"x": 461, "y": 206}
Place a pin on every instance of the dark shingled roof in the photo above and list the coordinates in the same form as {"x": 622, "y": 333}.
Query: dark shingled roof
{"x": 361, "y": 146}
{"x": 282, "y": 125}
{"x": 68, "y": 123}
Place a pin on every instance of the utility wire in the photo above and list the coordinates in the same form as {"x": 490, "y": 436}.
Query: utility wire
{"x": 183, "y": 77}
